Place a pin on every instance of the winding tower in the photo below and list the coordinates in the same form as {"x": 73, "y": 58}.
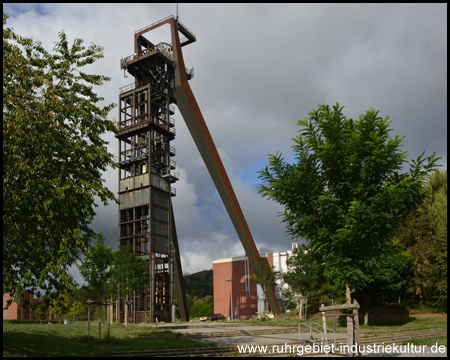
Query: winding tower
{"x": 147, "y": 172}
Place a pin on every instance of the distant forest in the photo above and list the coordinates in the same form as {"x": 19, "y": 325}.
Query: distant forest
{"x": 199, "y": 284}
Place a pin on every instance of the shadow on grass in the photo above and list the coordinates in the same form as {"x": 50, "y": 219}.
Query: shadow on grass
{"x": 394, "y": 321}
{"x": 387, "y": 315}
{"x": 106, "y": 340}
{"x": 25, "y": 344}
{"x": 51, "y": 342}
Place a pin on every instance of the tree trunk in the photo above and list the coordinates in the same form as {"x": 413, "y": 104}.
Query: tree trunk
{"x": 306, "y": 307}
{"x": 348, "y": 294}
{"x": 301, "y": 309}
{"x": 134, "y": 306}
{"x": 59, "y": 319}
{"x": 399, "y": 299}
{"x": 366, "y": 310}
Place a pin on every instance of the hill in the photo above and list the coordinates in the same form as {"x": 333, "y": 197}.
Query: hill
{"x": 199, "y": 284}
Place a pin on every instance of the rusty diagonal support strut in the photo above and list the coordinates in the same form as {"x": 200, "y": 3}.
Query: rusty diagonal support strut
{"x": 193, "y": 117}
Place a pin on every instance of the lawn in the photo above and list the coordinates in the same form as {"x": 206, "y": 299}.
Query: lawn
{"x": 71, "y": 340}
{"x": 386, "y": 322}
{"x": 429, "y": 341}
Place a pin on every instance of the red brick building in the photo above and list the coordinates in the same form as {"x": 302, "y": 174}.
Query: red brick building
{"x": 16, "y": 312}
{"x": 247, "y": 296}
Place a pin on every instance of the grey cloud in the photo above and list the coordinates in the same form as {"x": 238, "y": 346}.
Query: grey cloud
{"x": 258, "y": 70}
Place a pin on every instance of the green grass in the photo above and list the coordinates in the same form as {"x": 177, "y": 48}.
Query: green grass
{"x": 404, "y": 324}
{"x": 442, "y": 340}
{"x": 72, "y": 340}
{"x": 380, "y": 323}
{"x": 387, "y": 319}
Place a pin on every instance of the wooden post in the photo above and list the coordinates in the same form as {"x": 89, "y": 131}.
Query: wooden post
{"x": 89, "y": 317}
{"x": 324, "y": 319}
{"x": 356, "y": 321}
{"x": 99, "y": 321}
{"x": 350, "y": 324}
{"x": 111, "y": 310}
{"x": 349, "y": 335}
{"x": 117, "y": 310}
{"x": 366, "y": 311}
{"x": 126, "y": 314}
{"x": 108, "y": 312}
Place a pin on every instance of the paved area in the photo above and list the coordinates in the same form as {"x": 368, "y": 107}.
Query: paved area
{"x": 241, "y": 334}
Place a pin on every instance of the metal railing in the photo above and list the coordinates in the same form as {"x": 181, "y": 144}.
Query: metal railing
{"x": 189, "y": 31}
{"x": 155, "y": 23}
{"x": 162, "y": 20}
{"x": 126, "y": 88}
{"x": 160, "y": 121}
{"x": 166, "y": 172}
{"x": 128, "y": 158}
{"x": 161, "y": 49}
{"x": 143, "y": 82}
{"x": 312, "y": 327}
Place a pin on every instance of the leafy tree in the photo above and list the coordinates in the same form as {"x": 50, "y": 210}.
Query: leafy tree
{"x": 345, "y": 193}
{"x": 94, "y": 268}
{"x": 303, "y": 275}
{"x": 390, "y": 279}
{"x": 129, "y": 273}
{"x": 190, "y": 303}
{"x": 95, "y": 313}
{"x": 53, "y": 158}
{"x": 199, "y": 284}
{"x": 196, "y": 310}
{"x": 207, "y": 310}
{"x": 264, "y": 277}
{"x": 202, "y": 307}
{"x": 77, "y": 309}
{"x": 60, "y": 305}
{"x": 424, "y": 235}
{"x": 41, "y": 310}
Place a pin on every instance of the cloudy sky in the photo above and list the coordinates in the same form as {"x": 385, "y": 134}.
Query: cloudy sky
{"x": 259, "y": 68}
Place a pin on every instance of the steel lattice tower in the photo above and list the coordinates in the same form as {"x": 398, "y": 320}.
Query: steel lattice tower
{"x": 147, "y": 171}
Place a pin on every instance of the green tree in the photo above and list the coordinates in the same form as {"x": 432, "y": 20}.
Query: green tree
{"x": 129, "y": 273}
{"x": 265, "y": 277}
{"x": 53, "y": 159}
{"x": 77, "y": 309}
{"x": 41, "y": 310}
{"x": 196, "y": 310}
{"x": 190, "y": 303}
{"x": 390, "y": 280}
{"x": 60, "y": 305}
{"x": 208, "y": 306}
{"x": 345, "y": 194}
{"x": 424, "y": 235}
{"x": 303, "y": 275}
{"x": 95, "y": 266}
